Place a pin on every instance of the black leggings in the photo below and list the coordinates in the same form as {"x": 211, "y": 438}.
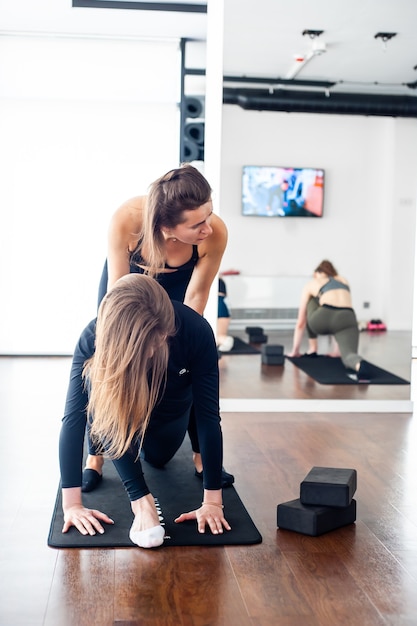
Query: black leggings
{"x": 162, "y": 441}
{"x": 338, "y": 321}
{"x": 151, "y": 456}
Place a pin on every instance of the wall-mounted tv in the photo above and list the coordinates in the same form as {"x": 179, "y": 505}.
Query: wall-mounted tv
{"x": 269, "y": 191}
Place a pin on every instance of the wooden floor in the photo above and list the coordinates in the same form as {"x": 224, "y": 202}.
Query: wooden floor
{"x": 363, "y": 574}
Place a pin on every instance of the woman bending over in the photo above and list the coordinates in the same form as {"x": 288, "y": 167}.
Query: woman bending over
{"x": 136, "y": 372}
{"x": 172, "y": 235}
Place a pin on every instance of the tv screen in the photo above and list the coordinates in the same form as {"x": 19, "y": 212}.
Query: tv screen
{"x": 269, "y": 191}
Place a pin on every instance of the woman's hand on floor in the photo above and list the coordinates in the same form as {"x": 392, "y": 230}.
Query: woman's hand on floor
{"x": 85, "y": 520}
{"x": 210, "y": 515}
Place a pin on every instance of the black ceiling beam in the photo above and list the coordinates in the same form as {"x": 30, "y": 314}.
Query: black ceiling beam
{"x": 261, "y": 80}
{"x": 292, "y": 101}
{"x": 183, "y": 7}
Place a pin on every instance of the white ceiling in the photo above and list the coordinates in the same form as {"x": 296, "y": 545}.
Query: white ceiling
{"x": 262, "y": 38}
{"x": 59, "y": 16}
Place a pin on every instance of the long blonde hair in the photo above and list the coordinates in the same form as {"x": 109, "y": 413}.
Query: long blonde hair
{"x": 127, "y": 373}
{"x": 179, "y": 190}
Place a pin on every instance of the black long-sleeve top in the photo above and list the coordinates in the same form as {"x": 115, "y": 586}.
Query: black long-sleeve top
{"x": 192, "y": 378}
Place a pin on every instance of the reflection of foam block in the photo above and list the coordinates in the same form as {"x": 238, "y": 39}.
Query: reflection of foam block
{"x": 258, "y": 338}
{"x": 272, "y": 354}
{"x": 328, "y": 486}
{"x": 254, "y": 330}
{"x": 314, "y": 520}
{"x": 256, "y": 334}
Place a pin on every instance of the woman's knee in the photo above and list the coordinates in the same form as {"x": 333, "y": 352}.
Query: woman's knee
{"x": 158, "y": 453}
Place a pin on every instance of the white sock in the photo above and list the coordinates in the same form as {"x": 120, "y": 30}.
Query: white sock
{"x": 227, "y": 344}
{"x": 149, "y": 538}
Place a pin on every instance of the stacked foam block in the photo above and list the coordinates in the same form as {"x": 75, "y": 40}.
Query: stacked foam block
{"x": 272, "y": 354}
{"x": 325, "y": 503}
{"x": 256, "y": 334}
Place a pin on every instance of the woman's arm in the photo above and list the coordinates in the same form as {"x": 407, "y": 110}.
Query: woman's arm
{"x": 123, "y": 234}
{"x": 210, "y": 514}
{"x": 71, "y": 443}
{"x": 210, "y": 255}
{"x": 196, "y": 335}
{"x": 71, "y": 438}
{"x": 301, "y": 319}
{"x": 75, "y": 514}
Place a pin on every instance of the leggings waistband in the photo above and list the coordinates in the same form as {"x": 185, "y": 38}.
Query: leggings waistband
{"x": 337, "y": 308}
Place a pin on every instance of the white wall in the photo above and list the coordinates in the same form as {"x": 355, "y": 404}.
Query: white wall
{"x": 368, "y": 227}
{"x": 83, "y": 126}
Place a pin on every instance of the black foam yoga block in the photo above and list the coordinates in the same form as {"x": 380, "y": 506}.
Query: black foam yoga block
{"x": 258, "y": 338}
{"x": 254, "y": 330}
{"x": 272, "y": 354}
{"x": 273, "y": 349}
{"x": 272, "y": 359}
{"x": 328, "y": 486}
{"x": 314, "y": 520}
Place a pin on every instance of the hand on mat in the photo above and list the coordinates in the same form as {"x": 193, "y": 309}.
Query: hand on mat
{"x": 85, "y": 520}
{"x": 208, "y": 514}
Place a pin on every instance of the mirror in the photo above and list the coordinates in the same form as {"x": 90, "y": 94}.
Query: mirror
{"x": 368, "y": 225}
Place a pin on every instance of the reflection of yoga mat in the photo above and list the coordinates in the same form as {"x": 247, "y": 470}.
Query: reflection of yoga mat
{"x": 178, "y": 491}
{"x": 329, "y": 370}
{"x": 241, "y": 347}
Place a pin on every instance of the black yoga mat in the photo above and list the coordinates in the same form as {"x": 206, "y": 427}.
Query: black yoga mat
{"x": 329, "y": 370}
{"x": 177, "y": 491}
{"x": 241, "y": 347}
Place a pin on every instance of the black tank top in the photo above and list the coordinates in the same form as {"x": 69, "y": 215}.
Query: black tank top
{"x": 138, "y": 259}
{"x": 175, "y": 283}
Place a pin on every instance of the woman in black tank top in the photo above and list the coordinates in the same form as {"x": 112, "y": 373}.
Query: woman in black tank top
{"x": 172, "y": 235}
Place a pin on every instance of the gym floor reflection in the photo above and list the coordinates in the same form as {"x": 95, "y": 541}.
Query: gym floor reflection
{"x": 244, "y": 376}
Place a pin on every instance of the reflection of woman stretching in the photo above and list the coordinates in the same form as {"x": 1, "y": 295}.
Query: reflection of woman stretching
{"x": 326, "y": 309}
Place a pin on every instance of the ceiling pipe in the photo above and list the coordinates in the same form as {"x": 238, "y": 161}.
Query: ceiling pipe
{"x": 318, "y": 102}
{"x": 318, "y": 47}
{"x": 299, "y": 63}
{"x": 261, "y": 80}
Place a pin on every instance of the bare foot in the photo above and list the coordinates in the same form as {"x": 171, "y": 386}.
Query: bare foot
{"x": 198, "y": 461}
{"x": 95, "y": 462}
